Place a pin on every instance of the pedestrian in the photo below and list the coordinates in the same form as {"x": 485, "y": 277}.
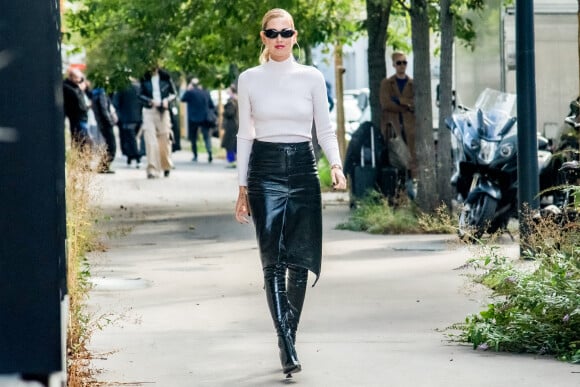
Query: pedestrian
{"x": 156, "y": 93}
{"x": 278, "y": 178}
{"x": 397, "y": 107}
{"x": 106, "y": 120}
{"x": 230, "y": 125}
{"x": 130, "y": 116}
{"x": 200, "y": 115}
{"x": 75, "y": 107}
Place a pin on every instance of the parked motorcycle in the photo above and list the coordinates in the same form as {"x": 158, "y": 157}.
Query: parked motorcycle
{"x": 485, "y": 157}
{"x": 565, "y": 210}
{"x": 566, "y": 154}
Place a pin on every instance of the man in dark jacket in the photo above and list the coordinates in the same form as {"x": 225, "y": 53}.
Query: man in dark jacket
{"x": 130, "y": 117}
{"x": 156, "y": 93}
{"x": 75, "y": 106}
{"x": 200, "y": 107}
{"x": 106, "y": 120}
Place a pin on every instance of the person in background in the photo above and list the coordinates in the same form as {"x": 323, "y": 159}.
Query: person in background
{"x": 75, "y": 107}
{"x": 96, "y": 139}
{"x": 130, "y": 116}
{"x": 106, "y": 121}
{"x": 397, "y": 107}
{"x": 156, "y": 93}
{"x": 329, "y": 95}
{"x": 230, "y": 125}
{"x": 175, "y": 124}
{"x": 277, "y": 173}
{"x": 199, "y": 108}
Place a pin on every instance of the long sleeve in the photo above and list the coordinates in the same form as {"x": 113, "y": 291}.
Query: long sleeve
{"x": 324, "y": 131}
{"x": 246, "y": 132}
{"x": 277, "y": 102}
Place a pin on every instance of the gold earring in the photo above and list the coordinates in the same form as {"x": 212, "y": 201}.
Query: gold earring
{"x": 299, "y": 52}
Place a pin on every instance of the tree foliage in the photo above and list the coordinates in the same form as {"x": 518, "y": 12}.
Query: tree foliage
{"x": 211, "y": 39}
{"x": 216, "y": 39}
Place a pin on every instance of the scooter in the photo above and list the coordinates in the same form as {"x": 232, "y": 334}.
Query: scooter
{"x": 485, "y": 158}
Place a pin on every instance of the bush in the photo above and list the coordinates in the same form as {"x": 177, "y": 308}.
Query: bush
{"x": 324, "y": 174}
{"x": 374, "y": 214}
{"x": 535, "y": 304}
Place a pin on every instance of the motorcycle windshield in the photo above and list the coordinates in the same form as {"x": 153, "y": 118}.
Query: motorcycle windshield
{"x": 496, "y": 110}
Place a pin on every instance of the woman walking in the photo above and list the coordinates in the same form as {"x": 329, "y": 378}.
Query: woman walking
{"x": 278, "y": 178}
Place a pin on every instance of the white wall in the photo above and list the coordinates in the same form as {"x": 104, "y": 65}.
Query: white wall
{"x": 556, "y": 60}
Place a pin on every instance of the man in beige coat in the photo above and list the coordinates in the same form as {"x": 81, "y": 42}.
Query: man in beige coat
{"x": 397, "y": 107}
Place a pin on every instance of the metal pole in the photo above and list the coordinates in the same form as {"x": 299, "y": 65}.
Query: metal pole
{"x": 32, "y": 183}
{"x": 502, "y": 52}
{"x": 528, "y": 180}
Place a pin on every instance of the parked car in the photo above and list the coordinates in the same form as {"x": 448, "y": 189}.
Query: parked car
{"x": 355, "y": 101}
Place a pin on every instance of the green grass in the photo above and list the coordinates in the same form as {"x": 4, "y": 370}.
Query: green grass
{"x": 374, "y": 214}
{"x": 324, "y": 174}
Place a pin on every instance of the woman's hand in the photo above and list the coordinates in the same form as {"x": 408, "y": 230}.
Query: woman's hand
{"x": 338, "y": 179}
{"x": 242, "y": 206}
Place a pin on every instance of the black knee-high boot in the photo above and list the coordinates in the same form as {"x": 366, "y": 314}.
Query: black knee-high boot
{"x": 275, "y": 283}
{"x": 296, "y": 290}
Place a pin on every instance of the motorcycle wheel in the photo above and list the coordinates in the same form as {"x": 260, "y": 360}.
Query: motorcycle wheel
{"x": 477, "y": 219}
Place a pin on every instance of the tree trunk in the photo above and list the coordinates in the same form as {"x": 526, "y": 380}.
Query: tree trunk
{"x": 444, "y": 159}
{"x": 307, "y": 50}
{"x": 377, "y": 21}
{"x": 427, "y": 185}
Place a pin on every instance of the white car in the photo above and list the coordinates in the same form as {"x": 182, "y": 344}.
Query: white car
{"x": 352, "y": 112}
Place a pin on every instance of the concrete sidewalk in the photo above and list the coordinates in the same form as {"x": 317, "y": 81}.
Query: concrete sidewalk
{"x": 181, "y": 284}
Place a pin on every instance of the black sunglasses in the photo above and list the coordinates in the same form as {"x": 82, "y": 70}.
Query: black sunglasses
{"x": 401, "y": 62}
{"x": 273, "y": 34}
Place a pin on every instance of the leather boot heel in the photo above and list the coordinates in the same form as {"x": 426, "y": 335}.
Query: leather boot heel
{"x": 275, "y": 285}
{"x": 288, "y": 357}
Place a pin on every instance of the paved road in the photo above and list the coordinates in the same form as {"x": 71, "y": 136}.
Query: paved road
{"x": 181, "y": 284}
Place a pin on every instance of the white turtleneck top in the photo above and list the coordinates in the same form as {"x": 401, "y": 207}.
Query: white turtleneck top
{"x": 277, "y": 102}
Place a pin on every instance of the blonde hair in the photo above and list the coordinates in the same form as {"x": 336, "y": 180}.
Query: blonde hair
{"x": 397, "y": 54}
{"x": 273, "y": 14}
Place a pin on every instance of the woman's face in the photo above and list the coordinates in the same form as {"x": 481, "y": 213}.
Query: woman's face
{"x": 280, "y": 48}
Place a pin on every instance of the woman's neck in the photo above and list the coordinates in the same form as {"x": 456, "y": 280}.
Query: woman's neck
{"x": 280, "y": 60}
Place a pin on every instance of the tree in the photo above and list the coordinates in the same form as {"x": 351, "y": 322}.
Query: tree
{"x": 425, "y": 15}
{"x": 444, "y": 161}
{"x": 452, "y": 22}
{"x": 420, "y": 37}
{"x": 213, "y": 39}
{"x": 378, "y": 12}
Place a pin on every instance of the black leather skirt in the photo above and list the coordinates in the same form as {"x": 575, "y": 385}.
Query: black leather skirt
{"x": 285, "y": 202}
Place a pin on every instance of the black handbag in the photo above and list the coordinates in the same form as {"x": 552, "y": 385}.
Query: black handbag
{"x": 212, "y": 118}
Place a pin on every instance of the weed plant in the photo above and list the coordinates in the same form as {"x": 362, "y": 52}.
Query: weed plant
{"x": 375, "y": 214}
{"x": 324, "y": 174}
{"x": 535, "y": 304}
{"x": 82, "y": 237}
